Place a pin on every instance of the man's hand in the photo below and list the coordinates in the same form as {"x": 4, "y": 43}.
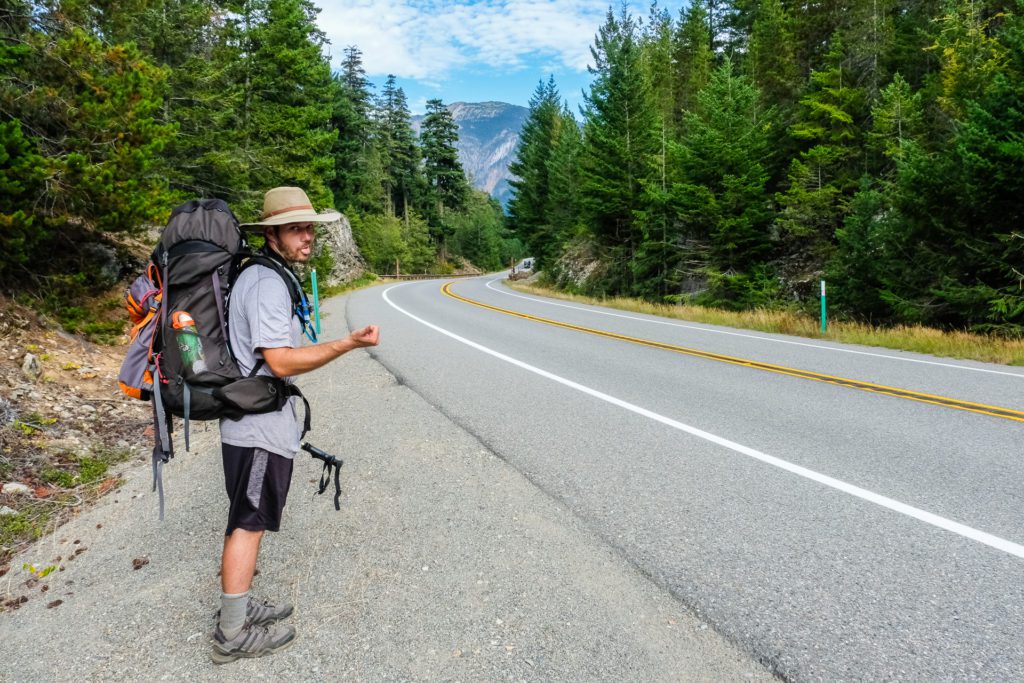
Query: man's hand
{"x": 368, "y": 336}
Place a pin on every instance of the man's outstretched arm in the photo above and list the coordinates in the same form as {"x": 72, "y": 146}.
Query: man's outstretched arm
{"x": 287, "y": 361}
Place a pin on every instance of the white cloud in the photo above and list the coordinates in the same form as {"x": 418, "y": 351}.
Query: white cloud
{"x": 431, "y": 38}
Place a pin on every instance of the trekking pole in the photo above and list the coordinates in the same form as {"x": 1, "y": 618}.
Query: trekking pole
{"x": 330, "y": 462}
{"x": 316, "y": 301}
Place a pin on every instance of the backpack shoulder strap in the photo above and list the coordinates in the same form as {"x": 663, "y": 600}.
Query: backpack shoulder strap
{"x": 300, "y": 304}
{"x": 290, "y": 281}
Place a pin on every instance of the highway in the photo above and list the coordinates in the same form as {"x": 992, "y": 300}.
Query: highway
{"x": 839, "y": 512}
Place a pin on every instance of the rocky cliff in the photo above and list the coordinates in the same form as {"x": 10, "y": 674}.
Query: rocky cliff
{"x": 488, "y": 137}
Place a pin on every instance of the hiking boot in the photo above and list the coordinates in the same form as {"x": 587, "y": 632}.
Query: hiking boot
{"x": 251, "y": 641}
{"x": 263, "y": 613}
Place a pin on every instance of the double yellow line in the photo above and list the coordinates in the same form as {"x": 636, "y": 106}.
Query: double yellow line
{"x": 945, "y": 401}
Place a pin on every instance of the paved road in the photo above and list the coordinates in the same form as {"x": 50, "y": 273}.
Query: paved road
{"x": 446, "y": 562}
{"x": 834, "y": 532}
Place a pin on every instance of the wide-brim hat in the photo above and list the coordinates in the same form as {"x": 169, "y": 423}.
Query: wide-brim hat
{"x": 284, "y": 205}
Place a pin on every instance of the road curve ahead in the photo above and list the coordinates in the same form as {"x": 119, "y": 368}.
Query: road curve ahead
{"x": 840, "y": 512}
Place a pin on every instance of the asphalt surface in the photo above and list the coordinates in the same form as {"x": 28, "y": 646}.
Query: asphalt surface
{"x": 451, "y": 559}
{"x": 831, "y": 533}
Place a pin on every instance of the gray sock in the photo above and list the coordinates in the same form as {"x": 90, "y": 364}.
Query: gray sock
{"x": 232, "y": 613}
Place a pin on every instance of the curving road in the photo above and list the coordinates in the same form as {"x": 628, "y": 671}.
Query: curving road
{"x": 840, "y": 512}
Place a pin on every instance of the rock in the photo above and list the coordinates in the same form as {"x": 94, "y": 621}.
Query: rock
{"x": 104, "y": 262}
{"x": 580, "y": 262}
{"x": 15, "y": 488}
{"x": 69, "y": 444}
{"x": 7, "y": 412}
{"x": 348, "y": 262}
{"x": 7, "y": 511}
{"x": 31, "y": 367}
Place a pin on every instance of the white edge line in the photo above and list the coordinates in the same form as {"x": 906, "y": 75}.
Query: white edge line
{"x": 749, "y": 336}
{"x": 910, "y": 511}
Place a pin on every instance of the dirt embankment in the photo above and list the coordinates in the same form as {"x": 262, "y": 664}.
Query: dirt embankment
{"x": 65, "y": 431}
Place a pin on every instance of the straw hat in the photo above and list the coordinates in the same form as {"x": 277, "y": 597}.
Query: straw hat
{"x": 289, "y": 205}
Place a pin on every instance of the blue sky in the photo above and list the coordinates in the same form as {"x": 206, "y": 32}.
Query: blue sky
{"x": 473, "y": 50}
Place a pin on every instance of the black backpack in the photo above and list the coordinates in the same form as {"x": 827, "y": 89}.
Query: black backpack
{"x": 180, "y": 357}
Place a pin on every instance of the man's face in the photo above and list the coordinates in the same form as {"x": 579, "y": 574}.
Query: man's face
{"x": 293, "y": 241}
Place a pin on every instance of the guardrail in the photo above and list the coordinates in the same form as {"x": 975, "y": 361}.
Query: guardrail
{"x": 427, "y": 276}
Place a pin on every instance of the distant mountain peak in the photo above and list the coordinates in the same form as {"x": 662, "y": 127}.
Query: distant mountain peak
{"x": 488, "y": 139}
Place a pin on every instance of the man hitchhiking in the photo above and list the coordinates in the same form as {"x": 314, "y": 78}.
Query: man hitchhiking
{"x": 258, "y": 450}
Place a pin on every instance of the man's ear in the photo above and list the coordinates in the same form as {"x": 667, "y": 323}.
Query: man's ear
{"x": 270, "y": 234}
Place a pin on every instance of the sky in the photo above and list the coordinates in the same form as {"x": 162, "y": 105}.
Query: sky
{"x": 473, "y": 50}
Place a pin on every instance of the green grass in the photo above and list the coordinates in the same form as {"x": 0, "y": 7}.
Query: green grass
{"x": 83, "y": 470}
{"x": 17, "y": 528}
{"x": 76, "y": 478}
{"x": 364, "y": 280}
{"x": 963, "y": 345}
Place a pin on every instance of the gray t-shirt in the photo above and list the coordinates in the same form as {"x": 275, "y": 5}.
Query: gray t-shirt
{"x": 261, "y": 317}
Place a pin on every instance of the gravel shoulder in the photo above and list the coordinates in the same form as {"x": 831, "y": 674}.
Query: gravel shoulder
{"x": 444, "y": 564}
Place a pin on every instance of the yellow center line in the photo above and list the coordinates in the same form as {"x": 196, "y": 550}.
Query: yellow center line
{"x": 994, "y": 411}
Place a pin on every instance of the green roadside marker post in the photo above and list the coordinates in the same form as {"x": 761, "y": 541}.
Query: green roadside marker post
{"x": 316, "y": 301}
{"x": 822, "y": 306}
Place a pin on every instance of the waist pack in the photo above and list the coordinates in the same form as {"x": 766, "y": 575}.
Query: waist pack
{"x": 179, "y": 357}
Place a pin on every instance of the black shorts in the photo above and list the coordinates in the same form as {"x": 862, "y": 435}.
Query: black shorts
{"x": 257, "y": 483}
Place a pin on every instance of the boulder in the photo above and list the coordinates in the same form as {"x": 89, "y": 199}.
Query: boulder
{"x": 31, "y": 367}
{"x": 348, "y": 262}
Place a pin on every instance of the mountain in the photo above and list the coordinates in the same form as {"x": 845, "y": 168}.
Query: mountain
{"x": 488, "y": 137}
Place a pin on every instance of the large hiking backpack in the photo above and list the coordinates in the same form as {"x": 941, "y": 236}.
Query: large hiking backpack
{"x": 179, "y": 311}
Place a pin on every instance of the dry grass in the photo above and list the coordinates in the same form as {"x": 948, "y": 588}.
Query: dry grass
{"x": 963, "y": 345}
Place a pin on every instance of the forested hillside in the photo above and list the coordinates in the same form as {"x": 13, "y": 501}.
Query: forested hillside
{"x": 111, "y": 114}
{"x": 740, "y": 152}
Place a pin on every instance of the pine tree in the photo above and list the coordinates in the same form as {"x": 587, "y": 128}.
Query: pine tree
{"x": 814, "y": 26}
{"x": 416, "y": 235}
{"x": 823, "y": 178}
{"x": 970, "y": 56}
{"x": 711, "y": 218}
{"x": 827, "y": 117}
{"x": 656, "y": 46}
{"x": 446, "y": 182}
{"x": 869, "y": 246}
{"x": 771, "y": 61}
{"x": 897, "y": 119}
{"x": 724, "y": 149}
{"x": 291, "y": 95}
{"x": 371, "y": 195}
{"x": 21, "y": 183}
{"x": 91, "y": 110}
{"x": 913, "y": 24}
{"x": 868, "y": 32}
{"x": 181, "y": 35}
{"x": 563, "y": 183}
{"x": 620, "y": 142}
{"x": 401, "y": 153}
{"x": 867, "y": 253}
{"x": 692, "y": 58}
{"x": 350, "y": 116}
{"x": 531, "y": 186}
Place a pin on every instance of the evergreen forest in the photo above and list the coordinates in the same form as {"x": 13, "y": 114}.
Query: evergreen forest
{"x": 742, "y": 151}
{"x": 112, "y": 113}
